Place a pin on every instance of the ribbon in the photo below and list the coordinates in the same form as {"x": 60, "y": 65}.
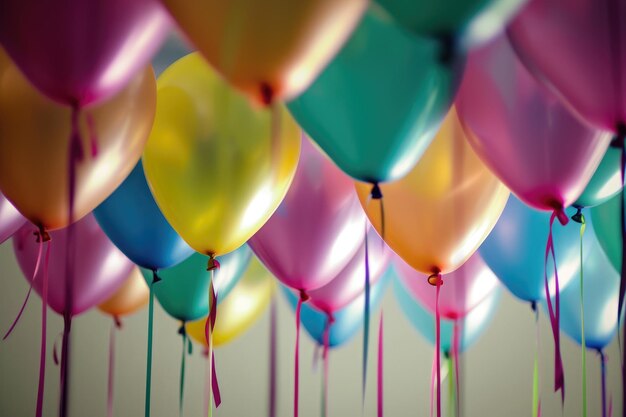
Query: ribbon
{"x": 44, "y": 326}
{"x": 380, "y": 367}
{"x": 181, "y": 389}
{"x": 214, "y": 391}
{"x": 555, "y": 311}
{"x": 579, "y": 217}
{"x": 272, "y": 362}
{"x": 436, "y": 280}
{"x": 366, "y": 320}
{"x": 603, "y": 361}
{"x": 155, "y": 279}
{"x": 296, "y": 388}
{"x": 536, "y": 390}
{"x": 117, "y": 324}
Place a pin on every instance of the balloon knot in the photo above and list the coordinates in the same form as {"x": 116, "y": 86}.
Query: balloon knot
{"x": 376, "y": 193}
{"x": 117, "y": 321}
{"x": 618, "y": 139}
{"x": 331, "y": 318}
{"x": 213, "y": 263}
{"x": 579, "y": 217}
{"x": 560, "y": 214}
{"x": 181, "y": 330}
{"x": 448, "y": 48}
{"x": 267, "y": 94}
{"x": 42, "y": 235}
{"x": 155, "y": 277}
{"x": 533, "y": 306}
{"x": 304, "y": 297}
{"x": 435, "y": 280}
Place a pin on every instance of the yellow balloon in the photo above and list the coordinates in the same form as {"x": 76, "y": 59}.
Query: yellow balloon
{"x": 216, "y": 165}
{"x": 269, "y": 49}
{"x": 130, "y": 297}
{"x": 243, "y": 306}
{"x": 439, "y": 214}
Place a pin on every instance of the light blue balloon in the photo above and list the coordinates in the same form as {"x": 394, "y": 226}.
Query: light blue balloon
{"x": 515, "y": 249}
{"x": 474, "y": 324}
{"x": 348, "y": 320}
{"x": 183, "y": 291}
{"x": 132, "y": 220}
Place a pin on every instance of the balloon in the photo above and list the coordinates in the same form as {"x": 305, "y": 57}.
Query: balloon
{"x": 438, "y": 215}
{"x": 271, "y": 49}
{"x": 82, "y": 52}
{"x": 472, "y": 326}
{"x": 573, "y": 46}
{"x": 243, "y": 307}
{"x": 608, "y": 226}
{"x": 348, "y": 320}
{"x": 183, "y": 291}
{"x": 463, "y": 289}
{"x": 132, "y": 220}
{"x": 377, "y": 106}
{"x": 471, "y": 20}
{"x": 350, "y": 282}
{"x": 510, "y": 121}
{"x": 10, "y": 219}
{"x": 513, "y": 253}
{"x": 606, "y": 181}
{"x": 601, "y": 294}
{"x": 215, "y": 168}
{"x": 34, "y": 140}
{"x": 129, "y": 297}
{"x": 317, "y": 229}
{"x": 99, "y": 267}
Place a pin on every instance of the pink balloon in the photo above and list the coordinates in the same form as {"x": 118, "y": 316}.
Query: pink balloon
{"x": 535, "y": 145}
{"x": 99, "y": 267}
{"x": 80, "y": 52}
{"x": 318, "y": 227}
{"x": 578, "y": 47}
{"x": 461, "y": 292}
{"x": 10, "y": 219}
{"x": 350, "y": 282}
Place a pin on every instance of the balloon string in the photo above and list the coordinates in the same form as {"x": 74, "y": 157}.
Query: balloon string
{"x": 582, "y": 315}
{"x": 554, "y": 311}
{"x": 603, "y": 381}
{"x": 272, "y": 362}
{"x": 55, "y": 355}
{"x": 111, "y": 380}
{"x": 296, "y": 390}
{"x": 181, "y": 388}
{"x": 456, "y": 341}
{"x": 380, "y": 390}
{"x": 366, "y": 320}
{"x": 329, "y": 322}
{"x": 536, "y": 388}
{"x": 438, "y": 344}
{"x": 30, "y": 288}
{"x": 214, "y": 392}
{"x": 155, "y": 279}
{"x": 44, "y": 326}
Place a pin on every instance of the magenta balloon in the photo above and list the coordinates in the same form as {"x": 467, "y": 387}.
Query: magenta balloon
{"x": 350, "y": 282}
{"x": 578, "y": 47}
{"x": 10, "y": 219}
{"x": 536, "y": 146}
{"x": 79, "y": 52}
{"x": 461, "y": 292}
{"x": 99, "y": 267}
{"x": 317, "y": 228}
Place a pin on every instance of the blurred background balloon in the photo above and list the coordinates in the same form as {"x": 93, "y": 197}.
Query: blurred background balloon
{"x": 183, "y": 290}
{"x": 129, "y": 297}
{"x": 132, "y": 220}
{"x": 515, "y": 252}
{"x": 10, "y": 219}
{"x": 270, "y": 50}
{"x": 378, "y": 105}
{"x": 606, "y": 181}
{"x": 34, "y": 140}
{"x": 216, "y": 167}
{"x": 462, "y": 291}
{"x": 608, "y": 228}
{"x": 440, "y": 213}
{"x": 318, "y": 227}
{"x": 99, "y": 267}
{"x": 243, "y": 307}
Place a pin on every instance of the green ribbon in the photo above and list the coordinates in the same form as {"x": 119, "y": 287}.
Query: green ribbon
{"x": 536, "y": 400}
{"x": 155, "y": 279}
{"x": 451, "y": 386}
{"x": 181, "y": 390}
{"x": 579, "y": 217}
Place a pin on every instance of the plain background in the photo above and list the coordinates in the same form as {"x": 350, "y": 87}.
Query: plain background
{"x": 497, "y": 370}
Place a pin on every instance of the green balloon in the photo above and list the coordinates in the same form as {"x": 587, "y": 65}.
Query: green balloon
{"x": 606, "y": 181}
{"x": 474, "y": 21}
{"x": 375, "y": 109}
{"x": 183, "y": 291}
{"x": 608, "y": 227}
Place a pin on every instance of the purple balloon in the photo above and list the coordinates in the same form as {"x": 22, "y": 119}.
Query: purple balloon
{"x": 350, "y": 282}
{"x": 317, "y": 228}
{"x": 10, "y": 219}
{"x": 537, "y": 147}
{"x": 79, "y": 52}
{"x": 99, "y": 267}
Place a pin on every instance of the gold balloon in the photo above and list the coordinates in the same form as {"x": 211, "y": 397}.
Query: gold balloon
{"x": 243, "y": 306}
{"x": 439, "y": 214}
{"x": 34, "y": 139}
{"x": 130, "y": 297}
{"x": 269, "y": 49}
{"x": 214, "y": 166}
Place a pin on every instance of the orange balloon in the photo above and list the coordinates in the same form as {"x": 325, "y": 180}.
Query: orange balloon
{"x": 439, "y": 214}
{"x": 269, "y": 49}
{"x": 130, "y": 297}
{"x": 34, "y": 138}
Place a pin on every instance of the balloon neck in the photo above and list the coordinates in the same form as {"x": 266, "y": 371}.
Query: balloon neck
{"x": 533, "y": 306}
{"x": 213, "y": 263}
{"x": 331, "y": 318}
{"x": 561, "y": 215}
{"x": 435, "y": 280}
{"x": 376, "y": 193}
{"x": 446, "y": 354}
{"x": 304, "y": 297}
{"x": 155, "y": 277}
{"x": 448, "y": 48}
{"x": 620, "y": 135}
{"x": 579, "y": 217}
{"x": 182, "y": 330}
{"x": 117, "y": 321}
{"x": 267, "y": 94}
{"x": 42, "y": 235}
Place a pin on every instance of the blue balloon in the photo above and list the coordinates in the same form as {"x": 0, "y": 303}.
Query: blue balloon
{"x": 348, "y": 320}
{"x": 515, "y": 249}
{"x": 475, "y": 323}
{"x": 132, "y": 220}
{"x": 601, "y": 293}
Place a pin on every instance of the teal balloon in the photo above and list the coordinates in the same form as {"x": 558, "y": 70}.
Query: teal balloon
{"x": 473, "y": 326}
{"x": 375, "y": 109}
{"x": 473, "y": 21}
{"x": 608, "y": 226}
{"x": 183, "y": 291}
{"x": 606, "y": 181}
{"x": 348, "y": 320}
